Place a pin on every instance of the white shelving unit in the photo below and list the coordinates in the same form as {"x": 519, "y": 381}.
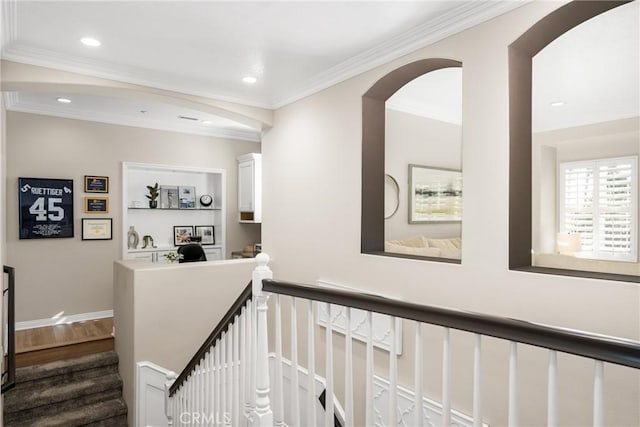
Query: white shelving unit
{"x": 159, "y": 222}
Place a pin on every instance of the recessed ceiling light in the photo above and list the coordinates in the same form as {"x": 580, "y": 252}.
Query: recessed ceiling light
{"x": 207, "y": 122}
{"x": 557, "y": 104}
{"x": 64, "y": 100}
{"x": 90, "y": 41}
{"x": 249, "y": 79}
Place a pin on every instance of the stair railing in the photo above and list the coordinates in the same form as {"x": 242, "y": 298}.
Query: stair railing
{"x": 9, "y": 340}
{"x": 227, "y": 381}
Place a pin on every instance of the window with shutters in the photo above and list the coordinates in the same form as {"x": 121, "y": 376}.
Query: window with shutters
{"x": 598, "y": 200}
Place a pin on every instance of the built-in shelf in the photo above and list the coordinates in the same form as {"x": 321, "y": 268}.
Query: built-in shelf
{"x": 177, "y": 209}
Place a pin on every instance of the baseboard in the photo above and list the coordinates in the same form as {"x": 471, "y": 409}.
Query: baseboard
{"x": 39, "y": 323}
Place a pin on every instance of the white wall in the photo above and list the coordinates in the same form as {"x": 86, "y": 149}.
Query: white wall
{"x": 312, "y": 190}
{"x": 412, "y": 139}
{"x": 75, "y": 276}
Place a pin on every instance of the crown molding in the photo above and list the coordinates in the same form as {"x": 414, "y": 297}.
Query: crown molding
{"x": 133, "y": 75}
{"x": 13, "y": 103}
{"x": 454, "y": 21}
{"x": 9, "y": 21}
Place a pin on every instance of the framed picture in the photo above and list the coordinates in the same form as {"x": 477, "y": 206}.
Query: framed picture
{"x": 97, "y": 229}
{"x": 435, "y": 195}
{"x": 96, "y": 184}
{"x": 169, "y": 198}
{"x": 206, "y": 232}
{"x": 182, "y": 234}
{"x": 96, "y": 205}
{"x": 45, "y": 208}
{"x": 187, "y": 197}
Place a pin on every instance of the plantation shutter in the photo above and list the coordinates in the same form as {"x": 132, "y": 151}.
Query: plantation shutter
{"x": 598, "y": 200}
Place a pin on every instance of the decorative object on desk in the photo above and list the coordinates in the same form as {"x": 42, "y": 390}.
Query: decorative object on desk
{"x": 187, "y": 197}
{"x": 46, "y": 208}
{"x": 435, "y": 195}
{"x": 153, "y": 195}
{"x": 182, "y": 234}
{"x": 206, "y": 200}
{"x": 169, "y": 198}
{"x": 148, "y": 242}
{"x": 132, "y": 238}
{"x": 96, "y": 229}
{"x": 171, "y": 257}
{"x": 206, "y": 232}
{"x": 96, "y": 205}
{"x": 96, "y": 184}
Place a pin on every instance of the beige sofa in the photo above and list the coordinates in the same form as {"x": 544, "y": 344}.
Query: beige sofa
{"x": 426, "y": 246}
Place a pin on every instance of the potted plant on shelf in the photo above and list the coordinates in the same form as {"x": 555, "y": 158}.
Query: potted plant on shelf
{"x": 153, "y": 195}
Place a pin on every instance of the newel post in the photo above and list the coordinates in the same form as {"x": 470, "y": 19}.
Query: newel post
{"x": 263, "y": 415}
{"x": 168, "y": 407}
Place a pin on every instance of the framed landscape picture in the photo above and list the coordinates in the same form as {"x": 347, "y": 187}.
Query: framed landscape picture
{"x": 435, "y": 195}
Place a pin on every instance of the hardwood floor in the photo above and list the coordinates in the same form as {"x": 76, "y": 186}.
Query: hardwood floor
{"x": 64, "y": 341}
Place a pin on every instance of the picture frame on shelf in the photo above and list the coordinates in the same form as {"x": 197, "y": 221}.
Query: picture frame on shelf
{"x": 95, "y": 205}
{"x": 187, "y": 195}
{"x": 206, "y": 233}
{"x": 182, "y": 234}
{"x": 96, "y": 184}
{"x": 169, "y": 197}
{"x": 97, "y": 229}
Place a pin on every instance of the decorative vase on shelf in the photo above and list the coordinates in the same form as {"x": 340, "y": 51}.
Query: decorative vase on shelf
{"x": 132, "y": 238}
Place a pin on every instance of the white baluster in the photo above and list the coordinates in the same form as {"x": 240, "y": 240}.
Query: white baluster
{"x": 311, "y": 362}
{"x": 168, "y": 401}
{"x": 229, "y": 368}
{"x": 248, "y": 356}
{"x": 552, "y": 390}
{"x": 223, "y": 377}
{"x": 207, "y": 409}
{"x": 243, "y": 363}
{"x": 513, "y": 385}
{"x": 598, "y": 395}
{"x": 295, "y": 386}
{"x": 263, "y": 413}
{"x": 190, "y": 396}
{"x": 369, "y": 418}
{"x": 446, "y": 378}
{"x": 197, "y": 388}
{"x": 279, "y": 388}
{"x": 218, "y": 379}
{"x": 417, "y": 402}
{"x": 328, "y": 412}
{"x": 393, "y": 374}
{"x": 477, "y": 382}
{"x": 235, "y": 416}
{"x": 348, "y": 369}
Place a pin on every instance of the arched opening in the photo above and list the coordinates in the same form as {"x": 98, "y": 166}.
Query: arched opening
{"x": 373, "y": 151}
{"x": 523, "y": 236}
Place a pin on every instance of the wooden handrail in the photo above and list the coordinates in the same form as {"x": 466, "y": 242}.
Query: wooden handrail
{"x": 599, "y": 347}
{"x": 222, "y": 326}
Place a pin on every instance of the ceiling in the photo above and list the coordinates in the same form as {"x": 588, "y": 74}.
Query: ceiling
{"x": 295, "y": 49}
{"x": 205, "y": 48}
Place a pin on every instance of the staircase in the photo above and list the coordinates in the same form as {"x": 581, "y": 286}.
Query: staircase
{"x": 83, "y": 391}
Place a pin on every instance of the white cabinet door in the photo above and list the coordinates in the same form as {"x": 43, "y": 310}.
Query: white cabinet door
{"x": 246, "y": 178}
{"x": 213, "y": 254}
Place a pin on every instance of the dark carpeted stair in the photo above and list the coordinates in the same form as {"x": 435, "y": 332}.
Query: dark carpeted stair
{"x": 85, "y": 391}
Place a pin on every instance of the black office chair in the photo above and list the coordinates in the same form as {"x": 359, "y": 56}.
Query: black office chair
{"x": 191, "y": 252}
